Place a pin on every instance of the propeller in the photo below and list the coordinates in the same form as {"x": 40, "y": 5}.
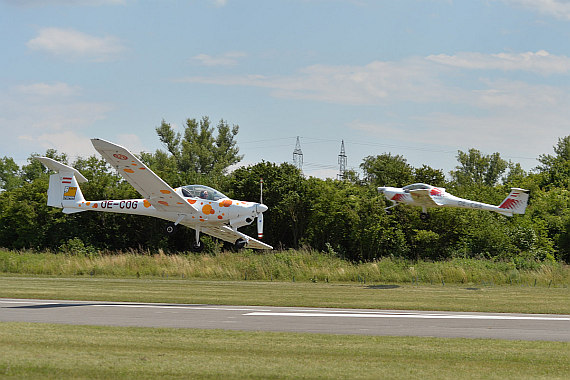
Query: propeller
{"x": 261, "y": 208}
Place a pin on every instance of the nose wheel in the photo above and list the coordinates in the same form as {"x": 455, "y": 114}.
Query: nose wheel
{"x": 240, "y": 243}
{"x": 424, "y": 216}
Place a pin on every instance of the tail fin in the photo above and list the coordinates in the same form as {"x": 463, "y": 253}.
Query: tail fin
{"x": 64, "y": 191}
{"x": 515, "y": 202}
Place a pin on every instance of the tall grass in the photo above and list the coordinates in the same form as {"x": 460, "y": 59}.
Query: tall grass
{"x": 291, "y": 265}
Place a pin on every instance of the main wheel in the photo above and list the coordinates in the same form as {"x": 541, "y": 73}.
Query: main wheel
{"x": 424, "y": 216}
{"x": 198, "y": 247}
{"x": 170, "y": 229}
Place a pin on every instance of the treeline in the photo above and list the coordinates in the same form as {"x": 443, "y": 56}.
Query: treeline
{"x": 342, "y": 217}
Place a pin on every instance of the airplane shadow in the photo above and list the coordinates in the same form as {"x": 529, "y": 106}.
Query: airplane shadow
{"x": 383, "y": 286}
{"x": 65, "y": 305}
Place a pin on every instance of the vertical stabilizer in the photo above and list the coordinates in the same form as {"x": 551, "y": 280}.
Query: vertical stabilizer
{"x": 64, "y": 191}
{"x": 515, "y": 202}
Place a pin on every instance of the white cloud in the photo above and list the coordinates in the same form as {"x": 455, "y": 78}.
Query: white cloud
{"x": 556, "y": 8}
{"x": 226, "y": 59}
{"x": 538, "y": 62}
{"x": 375, "y": 83}
{"x": 444, "y": 102}
{"x": 514, "y": 118}
{"x": 48, "y": 90}
{"x": 69, "y": 142}
{"x": 72, "y": 44}
{"x": 34, "y": 117}
{"x": 132, "y": 142}
{"x": 219, "y": 3}
{"x": 47, "y": 3}
{"x": 417, "y": 80}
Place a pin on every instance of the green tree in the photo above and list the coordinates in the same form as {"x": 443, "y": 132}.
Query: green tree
{"x": 387, "y": 170}
{"x": 478, "y": 169}
{"x": 197, "y": 150}
{"x": 556, "y": 168}
{"x": 10, "y": 177}
{"x": 284, "y": 192}
{"x": 426, "y": 174}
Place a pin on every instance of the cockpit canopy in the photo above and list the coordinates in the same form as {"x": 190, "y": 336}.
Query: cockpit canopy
{"x": 201, "y": 191}
{"x": 422, "y": 186}
{"x": 417, "y": 186}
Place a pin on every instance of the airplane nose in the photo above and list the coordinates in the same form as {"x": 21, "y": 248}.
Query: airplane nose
{"x": 261, "y": 207}
{"x": 382, "y": 189}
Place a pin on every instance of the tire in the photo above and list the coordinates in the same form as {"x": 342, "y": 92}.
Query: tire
{"x": 199, "y": 247}
{"x": 240, "y": 244}
{"x": 170, "y": 229}
{"x": 424, "y": 216}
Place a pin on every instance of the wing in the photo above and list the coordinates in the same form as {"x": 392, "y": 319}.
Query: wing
{"x": 423, "y": 198}
{"x": 227, "y": 234}
{"x": 145, "y": 181}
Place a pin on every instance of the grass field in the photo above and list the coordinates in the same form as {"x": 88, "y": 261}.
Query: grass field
{"x": 56, "y": 351}
{"x": 301, "y": 265}
{"x": 300, "y": 279}
{"x": 521, "y": 299}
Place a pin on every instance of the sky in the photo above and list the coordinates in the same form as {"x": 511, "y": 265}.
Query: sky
{"x": 417, "y": 78}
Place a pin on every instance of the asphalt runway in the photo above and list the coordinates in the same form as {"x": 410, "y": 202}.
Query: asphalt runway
{"x": 291, "y": 319}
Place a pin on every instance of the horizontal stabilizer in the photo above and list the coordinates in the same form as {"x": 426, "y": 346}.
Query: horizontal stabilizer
{"x": 61, "y": 168}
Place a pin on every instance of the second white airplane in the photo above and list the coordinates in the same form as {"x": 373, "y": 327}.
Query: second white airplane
{"x": 426, "y": 196}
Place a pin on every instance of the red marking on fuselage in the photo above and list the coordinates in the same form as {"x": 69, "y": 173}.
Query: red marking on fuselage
{"x": 398, "y": 197}
{"x": 435, "y": 191}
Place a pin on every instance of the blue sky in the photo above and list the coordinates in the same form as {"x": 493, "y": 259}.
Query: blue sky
{"x": 419, "y": 78}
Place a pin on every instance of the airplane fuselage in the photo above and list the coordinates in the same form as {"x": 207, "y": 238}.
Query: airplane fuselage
{"x": 426, "y": 196}
{"x": 439, "y": 196}
{"x": 224, "y": 211}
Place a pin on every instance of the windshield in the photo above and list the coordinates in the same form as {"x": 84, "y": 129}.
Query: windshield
{"x": 201, "y": 191}
{"x": 416, "y": 186}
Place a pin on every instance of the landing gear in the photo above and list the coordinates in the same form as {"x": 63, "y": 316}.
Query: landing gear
{"x": 198, "y": 246}
{"x": 170, "y": 228}
{"x": 389, "y": 209}
{"x": 240, "y": 243}
{"x": 424, "y": 216}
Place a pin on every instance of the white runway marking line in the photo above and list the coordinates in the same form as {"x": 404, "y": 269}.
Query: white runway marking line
{"x": 344, "y": 314}
{"x": 179, "y": 307}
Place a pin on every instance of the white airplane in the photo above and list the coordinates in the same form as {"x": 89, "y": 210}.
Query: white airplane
{"x": 425, "y": 196}
{"x": 196, "y": 206}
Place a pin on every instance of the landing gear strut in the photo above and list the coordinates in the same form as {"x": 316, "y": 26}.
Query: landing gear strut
{"x": 198, "y": 246}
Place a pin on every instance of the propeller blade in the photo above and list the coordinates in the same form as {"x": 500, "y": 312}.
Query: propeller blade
{"x": 261, "y": 190}
{"x": 261, "y": 208}
{"x": 260, "y": 225}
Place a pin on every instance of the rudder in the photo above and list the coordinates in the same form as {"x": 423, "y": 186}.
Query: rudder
{"x": 63, "y": 191}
